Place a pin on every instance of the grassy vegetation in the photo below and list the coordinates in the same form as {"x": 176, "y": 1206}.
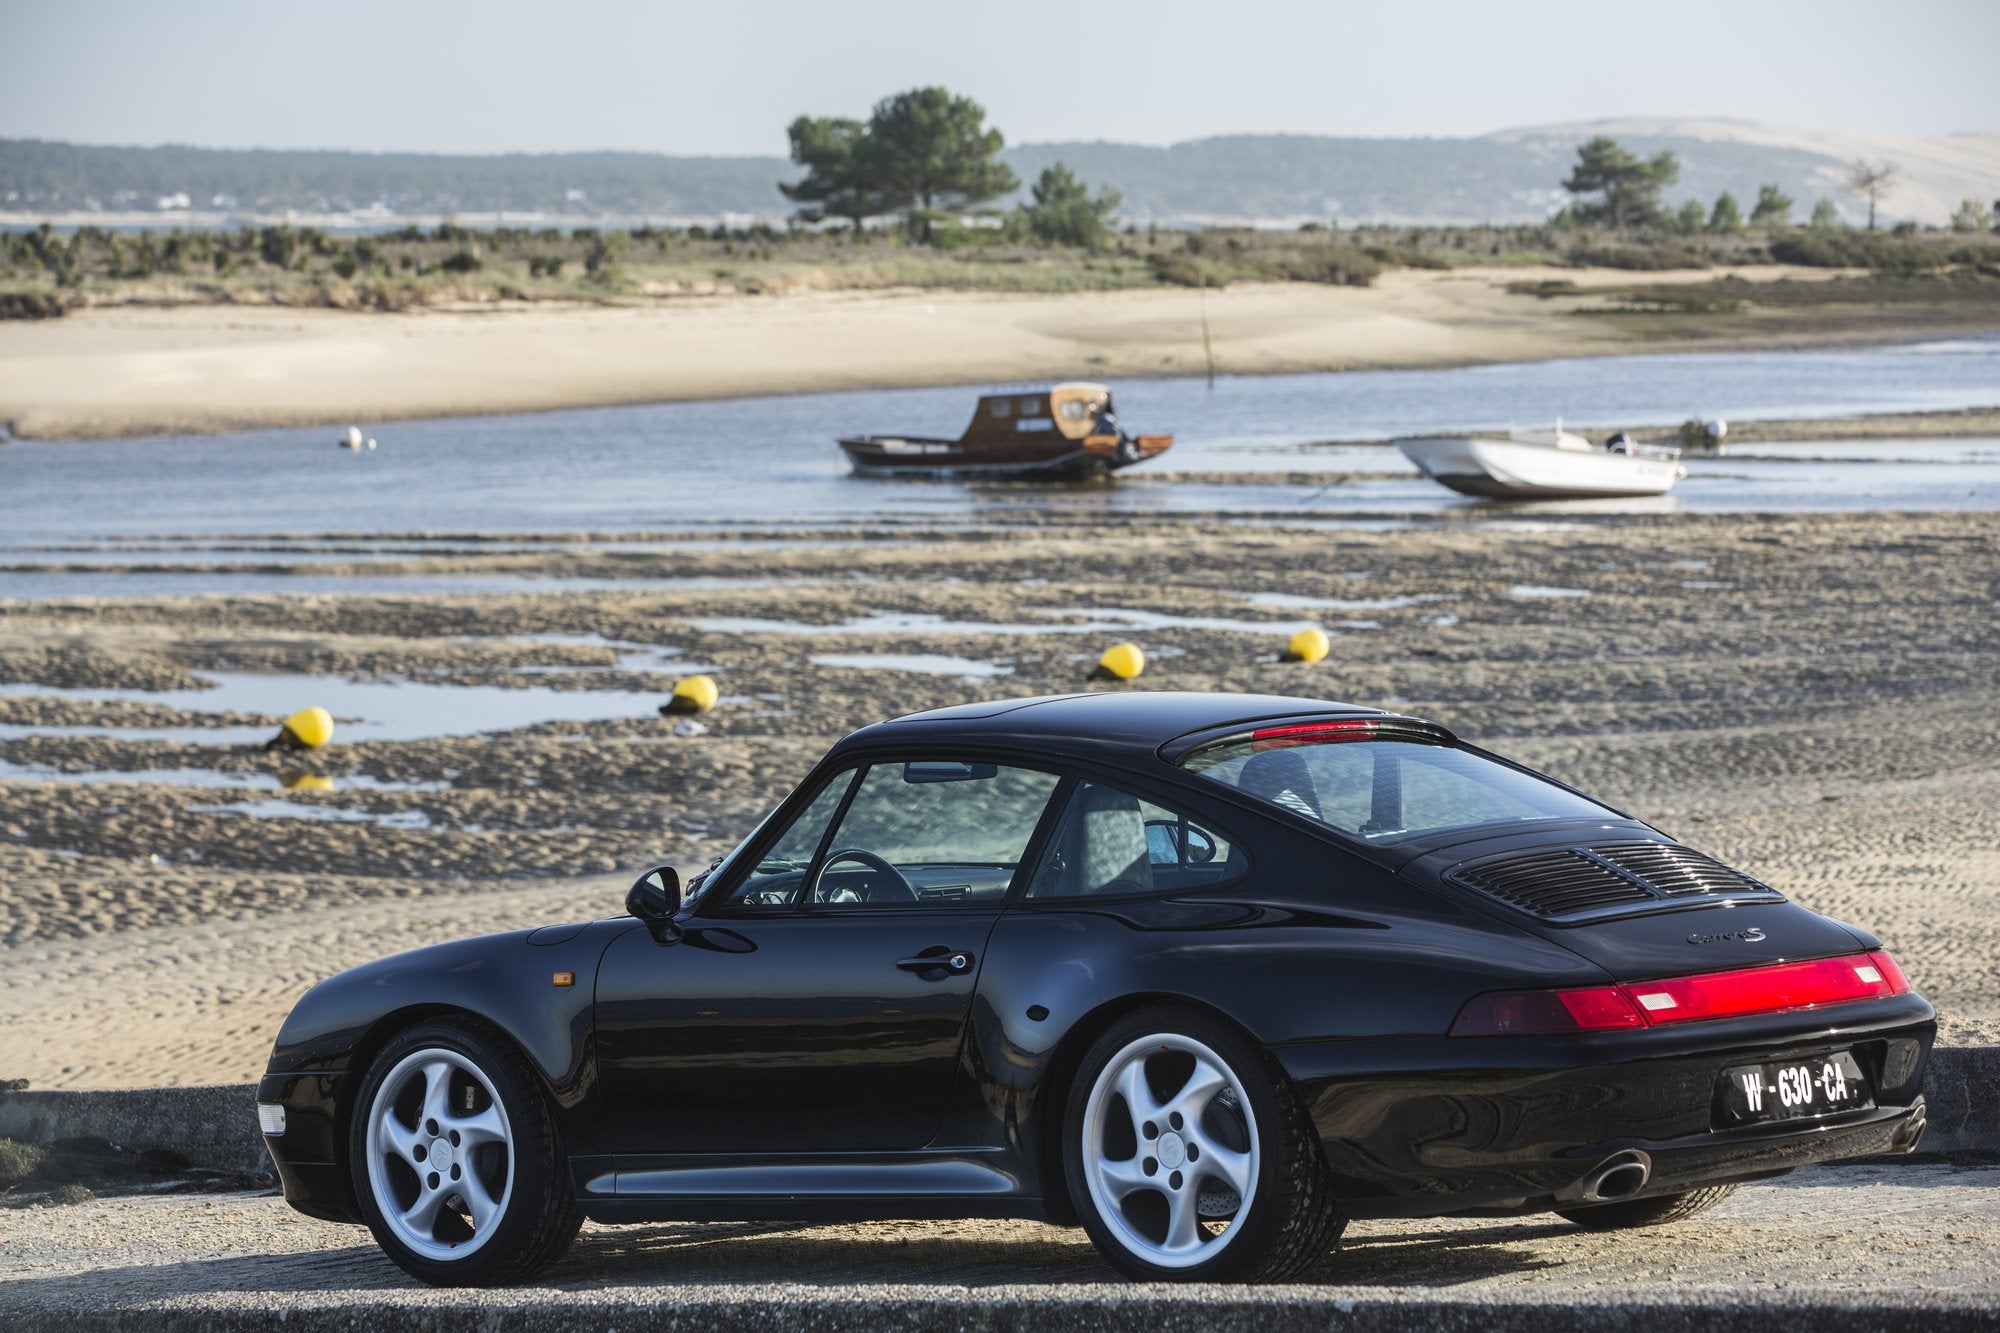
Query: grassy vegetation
{"x": 45, "y": 272}
{"x": 1958, "y": 296}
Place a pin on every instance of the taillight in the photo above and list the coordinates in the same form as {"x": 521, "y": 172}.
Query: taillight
{"x": 1889, "y": 972}
{"x": 1526, "y": 1013}
{"x": 1751, "y": 990}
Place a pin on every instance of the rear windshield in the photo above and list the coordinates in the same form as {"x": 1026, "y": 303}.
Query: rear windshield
{"x": 1386, "y": 789}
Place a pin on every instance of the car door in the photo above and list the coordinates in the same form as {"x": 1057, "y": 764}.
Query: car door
{"x": 818, "y": 999}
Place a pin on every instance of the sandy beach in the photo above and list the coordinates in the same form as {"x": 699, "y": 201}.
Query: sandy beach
{"x": 139, "y": 370}
{"x": 1809, "y": 698}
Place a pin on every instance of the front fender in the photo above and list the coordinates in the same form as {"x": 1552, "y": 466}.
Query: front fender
{"x": 506, "y": 980}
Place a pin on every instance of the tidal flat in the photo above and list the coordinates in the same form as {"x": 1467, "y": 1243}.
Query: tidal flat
{"x": 1810, "y": 698}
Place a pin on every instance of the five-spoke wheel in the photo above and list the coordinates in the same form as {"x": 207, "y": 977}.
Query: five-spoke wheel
{"x": 1189, "y": 1158}
{"x": 456, "y": 1159}
{"x": 440, "y": 1153}
{"x": 1171, "y": 1159}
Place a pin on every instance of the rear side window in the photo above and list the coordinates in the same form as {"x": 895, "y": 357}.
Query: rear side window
{"x": 1111, "y": 842}
{"x": 1380, "y": 788}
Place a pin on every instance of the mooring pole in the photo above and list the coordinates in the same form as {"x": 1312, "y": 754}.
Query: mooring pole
{"x": 1207, "y": 347}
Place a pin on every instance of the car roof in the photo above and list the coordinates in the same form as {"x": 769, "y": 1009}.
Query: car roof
{"x": 1136, "y": 720}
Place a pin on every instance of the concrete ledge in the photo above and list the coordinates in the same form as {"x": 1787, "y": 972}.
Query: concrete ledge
{"x": 213, "y": 1127}
{"x": 216, "y": 1127}
{"x": 1962, "y": 1088}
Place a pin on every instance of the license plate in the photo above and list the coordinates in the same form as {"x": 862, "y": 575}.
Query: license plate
{"x": 1791, "y": 1089}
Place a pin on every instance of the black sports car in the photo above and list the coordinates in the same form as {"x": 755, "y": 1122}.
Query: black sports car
{"x": 1208, "y": 974}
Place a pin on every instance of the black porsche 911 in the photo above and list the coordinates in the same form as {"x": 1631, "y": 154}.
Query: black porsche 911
{"x": 1208, "y": 974}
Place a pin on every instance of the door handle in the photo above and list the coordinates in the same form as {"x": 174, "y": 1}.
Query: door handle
{"x": 955, "y": 961}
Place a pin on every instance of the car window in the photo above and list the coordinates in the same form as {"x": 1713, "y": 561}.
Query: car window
{"x": 932, "y": 832}
{"x": 774, "y": 881}
{"x": 1112, "y": 842}
{"x": 1382, "y": 788}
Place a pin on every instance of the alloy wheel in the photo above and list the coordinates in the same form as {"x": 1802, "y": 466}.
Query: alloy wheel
{"x": 440, "y": 1154}
{"x": 1170, "y": 1151}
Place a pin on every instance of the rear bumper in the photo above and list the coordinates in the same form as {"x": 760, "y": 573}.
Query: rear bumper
{"x": 1429, "y": 1126}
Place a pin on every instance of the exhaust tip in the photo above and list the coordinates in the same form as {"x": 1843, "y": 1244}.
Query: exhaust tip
{"x": 1620, "y": 1182}
{"x": 1618, "y": 1176}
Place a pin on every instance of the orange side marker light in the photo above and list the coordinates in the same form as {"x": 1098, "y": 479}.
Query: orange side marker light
{"x": 565, "y": 978}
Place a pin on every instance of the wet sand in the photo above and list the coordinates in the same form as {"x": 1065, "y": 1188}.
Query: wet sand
{"x": 1810, "y": 699}
{"x": 138, "y": 370}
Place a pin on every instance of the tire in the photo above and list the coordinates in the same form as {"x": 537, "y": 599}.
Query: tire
{"x": 453, "y": 1093}
{"x": 1238, "y": 1190}
{"x": 1646, "y": 1212}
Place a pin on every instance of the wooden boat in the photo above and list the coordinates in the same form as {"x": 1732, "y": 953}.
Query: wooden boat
{"x": 1545, "y": 465}
{"x": 1067, "y": 431}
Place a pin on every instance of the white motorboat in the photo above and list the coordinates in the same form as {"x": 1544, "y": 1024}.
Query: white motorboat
{"x": 1544, "y": 465}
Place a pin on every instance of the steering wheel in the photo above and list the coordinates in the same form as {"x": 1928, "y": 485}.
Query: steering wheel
{"x": 898, "y": 888}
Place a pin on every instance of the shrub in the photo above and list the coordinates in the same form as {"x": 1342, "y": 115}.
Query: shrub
{"x": 1184, "y": 271}
{"x": 1405, "y": 256}
{"x": 1637, "y": 258}
{"x": 18, "y": 1161}
{"x": 1341, "y": 266}
{"x": 463, "y": 261}
{"x": 1972, "y": 215}
{"x": 1857, "y": 249}
{"x": 31, "y": 305}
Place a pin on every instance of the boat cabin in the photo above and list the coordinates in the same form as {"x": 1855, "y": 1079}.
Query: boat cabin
{"x": 1072, "y": 411}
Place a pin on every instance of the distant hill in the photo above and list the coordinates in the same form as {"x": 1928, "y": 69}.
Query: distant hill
{"x": 1933, "y": 173}
{"x": 1280, "y": 180}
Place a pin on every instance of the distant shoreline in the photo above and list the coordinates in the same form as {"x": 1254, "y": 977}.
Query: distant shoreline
{"x": 122, "y": 371}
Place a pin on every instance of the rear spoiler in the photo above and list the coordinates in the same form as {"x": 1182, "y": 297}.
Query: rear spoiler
{"x": 1314, "y": 729}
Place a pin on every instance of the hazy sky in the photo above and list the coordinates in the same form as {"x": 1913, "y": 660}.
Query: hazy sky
{"x": 723, "y": 78}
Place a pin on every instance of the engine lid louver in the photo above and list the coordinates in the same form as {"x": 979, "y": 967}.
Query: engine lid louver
{"x": 1575, "y": 883}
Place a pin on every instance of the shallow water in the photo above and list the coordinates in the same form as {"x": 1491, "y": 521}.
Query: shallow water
{"x": 773, "y": 460}
{"x": 277, "y": 808}
{"x": 214, "y": 778}
{"x": 1537, "y": 590}
{"x": 1087, "y": 620}
{"x": 364, "y": 710}
{"x": 47, "y": 585}
{"x": 929, "y": 664}
{"x": 1300, "y": 602}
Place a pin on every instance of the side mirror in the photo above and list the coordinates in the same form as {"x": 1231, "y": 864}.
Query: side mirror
{"x": 653, "y": 899}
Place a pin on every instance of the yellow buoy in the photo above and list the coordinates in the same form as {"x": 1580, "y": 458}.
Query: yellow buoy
{"x": 307, "y": 729}
{"x": 696, "y": 694}
{"x": 1308, "y": 645}
{"x": 1122, "y": 661}
{"x": 297, "y": 780}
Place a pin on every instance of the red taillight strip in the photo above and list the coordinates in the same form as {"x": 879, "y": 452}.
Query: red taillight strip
{"x": 1770, "y": 989}
{"x": 1310, "y": 733}
{"x": 1767, "y": 990}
